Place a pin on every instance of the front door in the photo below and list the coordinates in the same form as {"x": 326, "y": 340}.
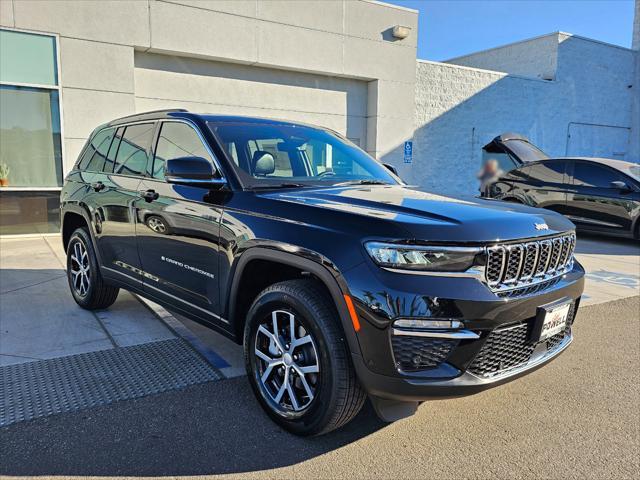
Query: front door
{"x": 178, "y": 229}
{"x": 594, "y": 204}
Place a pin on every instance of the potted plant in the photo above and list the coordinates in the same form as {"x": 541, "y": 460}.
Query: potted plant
{"x": 4, "y": 174}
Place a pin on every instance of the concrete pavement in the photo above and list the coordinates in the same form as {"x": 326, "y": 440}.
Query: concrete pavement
{"x": 612, "y": 266}
{"x": 576, "y": 418}
{"x": 39, "y": 319}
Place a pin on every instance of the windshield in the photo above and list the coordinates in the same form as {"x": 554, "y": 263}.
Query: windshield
{"x": 268, "y": 154}
{"x": 525, "y": 151}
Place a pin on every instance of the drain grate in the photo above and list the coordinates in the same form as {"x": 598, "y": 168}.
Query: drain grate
{"x": 66, "y": 384}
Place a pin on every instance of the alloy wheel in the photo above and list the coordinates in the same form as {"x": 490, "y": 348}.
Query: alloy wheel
{"x": 156, "y": 225}
{"x": 287, "y": 363}
{"x": 80, "y": 269}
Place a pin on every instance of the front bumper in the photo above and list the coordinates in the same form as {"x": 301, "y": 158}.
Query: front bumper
{"x": 408, "y": 389}
{"x": 468, "y": 365}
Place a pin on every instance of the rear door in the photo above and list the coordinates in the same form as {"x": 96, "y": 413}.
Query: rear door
{"x": 179, "y": 228}
{"x": 122, "y": 173}
{"x": 593, "y": 203}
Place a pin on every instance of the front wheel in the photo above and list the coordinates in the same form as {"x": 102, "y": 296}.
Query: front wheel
{"x": 298, "y": 361}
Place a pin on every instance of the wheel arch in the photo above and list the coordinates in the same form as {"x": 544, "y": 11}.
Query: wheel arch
{"x": 331, "y": 280}
{"x": 635, "y": 228}
{"x": 72, "y": 220}
{"x": 76, "y": 216}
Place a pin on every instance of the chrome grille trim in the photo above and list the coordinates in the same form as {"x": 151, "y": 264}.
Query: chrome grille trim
{"x": 531, "y": 254}
{"x": 518, "y": 265}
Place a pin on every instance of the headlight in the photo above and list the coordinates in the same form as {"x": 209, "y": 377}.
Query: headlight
{"x": 418, "y": 257}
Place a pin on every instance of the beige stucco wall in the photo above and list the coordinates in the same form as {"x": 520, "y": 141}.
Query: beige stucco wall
{"x": 101, "y": 42}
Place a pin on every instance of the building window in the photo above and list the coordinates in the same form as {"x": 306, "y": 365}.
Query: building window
{"x": 30, "y": 132}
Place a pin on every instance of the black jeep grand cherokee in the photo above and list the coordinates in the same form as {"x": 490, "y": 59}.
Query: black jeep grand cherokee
{"x": 341, "y": 281}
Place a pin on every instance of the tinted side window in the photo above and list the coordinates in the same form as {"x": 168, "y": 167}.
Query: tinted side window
{"x": 132, "y": 157}
{"x": 113, "y": 150}
{"x": 177, "y": 140}
{"x": 548, "y": 172}
{"x": 592, "y": 175}
{"x": 96, "y": 152}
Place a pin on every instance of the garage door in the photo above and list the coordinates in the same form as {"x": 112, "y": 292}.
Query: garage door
{"x": 203, "y": 86}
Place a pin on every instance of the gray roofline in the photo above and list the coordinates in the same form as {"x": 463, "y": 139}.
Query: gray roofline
{"x": 558, "y": 33}
{"x": 504, "y": 45}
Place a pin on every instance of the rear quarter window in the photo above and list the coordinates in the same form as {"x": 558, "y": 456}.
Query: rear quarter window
{"x": 96, "y": 152}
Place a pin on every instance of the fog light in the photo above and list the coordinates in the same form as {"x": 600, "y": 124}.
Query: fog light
{"x": 438, "y": 324}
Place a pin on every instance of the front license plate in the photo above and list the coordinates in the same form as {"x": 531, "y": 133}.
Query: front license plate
{"x": 554, "y": 320}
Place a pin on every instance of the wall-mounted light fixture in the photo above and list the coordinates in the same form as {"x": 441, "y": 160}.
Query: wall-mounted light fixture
{"x": 401, "y": 32}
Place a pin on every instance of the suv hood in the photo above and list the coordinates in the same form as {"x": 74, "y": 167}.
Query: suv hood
{"x": 432, "y": 217}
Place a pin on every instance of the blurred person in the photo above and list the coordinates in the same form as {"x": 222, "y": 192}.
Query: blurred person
{"x": 489, "y": 172}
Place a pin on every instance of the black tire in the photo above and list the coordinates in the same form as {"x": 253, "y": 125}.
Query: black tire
{"x": 338, "y": 396}
{"x": 96, "y": 294}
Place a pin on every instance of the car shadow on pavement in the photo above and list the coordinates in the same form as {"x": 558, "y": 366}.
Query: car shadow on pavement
{"x": 212, "y": 428}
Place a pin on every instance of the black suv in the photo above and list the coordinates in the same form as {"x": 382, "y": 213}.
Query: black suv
{"x": 341, "y": 281}
{"x": 600, "y": 195}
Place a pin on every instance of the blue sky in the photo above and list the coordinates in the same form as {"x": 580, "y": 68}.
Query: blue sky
{"x": 449, "y": 28}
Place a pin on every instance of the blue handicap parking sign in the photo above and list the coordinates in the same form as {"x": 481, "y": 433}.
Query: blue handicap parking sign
{"x": 408, "y": 151}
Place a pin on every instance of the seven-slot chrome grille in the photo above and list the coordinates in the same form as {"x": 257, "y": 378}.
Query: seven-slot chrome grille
{"x": 519, "y": 265}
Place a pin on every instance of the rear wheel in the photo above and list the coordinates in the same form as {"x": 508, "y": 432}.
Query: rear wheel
{"x": 85, "y": 281}
{"x": 298, "y": 361}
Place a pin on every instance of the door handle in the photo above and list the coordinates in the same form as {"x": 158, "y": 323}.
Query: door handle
{"x": 150, "y": 195}
{"x": 97, "y": 186}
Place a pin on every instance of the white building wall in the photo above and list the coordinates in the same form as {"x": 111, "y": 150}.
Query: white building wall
{"x": 586, "y": 110}
{"x": 634, "y": 142}
{"x": 536, "y": 57}
{"x": 596, "y": 87}
{"x": 460, "y": 109}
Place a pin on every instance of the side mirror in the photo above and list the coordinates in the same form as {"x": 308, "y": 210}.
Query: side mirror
{"x": 620, "y": 185}
{"x": 195, "y": 171}
{"x": 391, "y": 168}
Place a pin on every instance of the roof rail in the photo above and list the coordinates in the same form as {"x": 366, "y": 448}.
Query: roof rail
{"x": 162, "y": 110}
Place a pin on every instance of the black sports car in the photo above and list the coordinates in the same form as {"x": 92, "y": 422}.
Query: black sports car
{"x": 598, "y": 194}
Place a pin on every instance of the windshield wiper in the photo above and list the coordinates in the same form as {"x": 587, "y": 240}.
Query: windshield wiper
{"x": 362, "y": 182}
{"x": 279, "y": 185}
